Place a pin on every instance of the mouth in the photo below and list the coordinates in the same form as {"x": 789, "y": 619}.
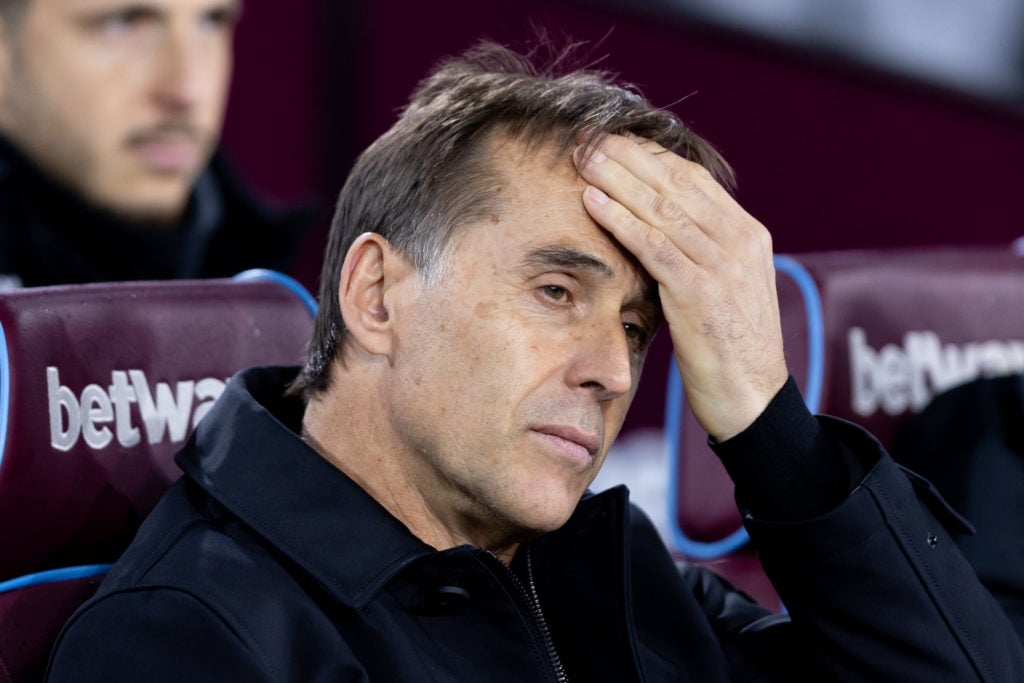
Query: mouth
{"x": 578, "y": 446}
{"x": 168, "y": 150}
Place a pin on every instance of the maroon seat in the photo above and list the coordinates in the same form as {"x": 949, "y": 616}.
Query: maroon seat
{"x": 99, "y": 386}
{"x": 870, "y": 336}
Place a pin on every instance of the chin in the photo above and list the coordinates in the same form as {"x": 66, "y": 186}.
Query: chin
{"x": 162, "y": 212}
{"x": 547, "y": 516}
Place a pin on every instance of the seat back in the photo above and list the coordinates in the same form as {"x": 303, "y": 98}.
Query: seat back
{"x": 100, "y": 385}
{"x": 870, "y": 336}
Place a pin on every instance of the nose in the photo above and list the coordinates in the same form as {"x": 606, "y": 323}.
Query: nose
{"x": 604, "y": 362}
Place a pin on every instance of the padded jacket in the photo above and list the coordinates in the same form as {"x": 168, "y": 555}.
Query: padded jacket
{"x": 265, "y": 563}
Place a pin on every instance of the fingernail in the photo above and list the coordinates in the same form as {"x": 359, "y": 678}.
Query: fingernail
{"x": 597, "y": 156}
{"x": 596, "y": 194}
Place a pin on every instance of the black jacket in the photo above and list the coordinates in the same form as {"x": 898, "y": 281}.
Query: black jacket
{"x": 50, "y": 236}
{"x": 970, "y": 442}
{"x": 265, "y": 563}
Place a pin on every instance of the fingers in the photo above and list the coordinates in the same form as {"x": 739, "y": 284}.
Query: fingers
{"x": 667, "y": 192}
{"x": 713, "y": 265}
{"x": 663, "y": 257}
{"x": 626, "y": 203}
{"x": 669, "y": 211}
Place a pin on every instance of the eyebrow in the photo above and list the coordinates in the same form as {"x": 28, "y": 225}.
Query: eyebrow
{"x": 567, "y": 257}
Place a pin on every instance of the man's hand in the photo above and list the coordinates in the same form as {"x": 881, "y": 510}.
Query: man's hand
{"x": 713, "y": 265}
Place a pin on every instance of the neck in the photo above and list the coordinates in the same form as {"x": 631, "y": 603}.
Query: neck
{"x": 357, "y": 437}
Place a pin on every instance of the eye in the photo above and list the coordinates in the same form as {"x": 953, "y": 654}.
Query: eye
{"x": 122, "y": 21}
{"x": 636, "y": 335}
{"x": 555, "y": 293}
{"x": 222, "y": 18}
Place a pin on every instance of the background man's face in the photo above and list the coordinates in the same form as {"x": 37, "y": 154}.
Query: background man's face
{"x": 123, "y": 101}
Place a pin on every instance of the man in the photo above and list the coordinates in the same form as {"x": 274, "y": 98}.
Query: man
{"x": 498, "y": 264}
{"x": 110, "y": 111}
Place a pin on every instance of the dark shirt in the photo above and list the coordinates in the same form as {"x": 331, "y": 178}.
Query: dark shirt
{"x": 49, "y": 235}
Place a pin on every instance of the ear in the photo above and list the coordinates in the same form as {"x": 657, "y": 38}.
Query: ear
{"x": 371, "y": 267}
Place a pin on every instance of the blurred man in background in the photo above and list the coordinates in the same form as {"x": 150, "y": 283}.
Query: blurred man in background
{"x": 110, "y": 114}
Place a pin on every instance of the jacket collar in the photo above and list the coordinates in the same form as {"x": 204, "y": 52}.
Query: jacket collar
{"x": 247, "y": 454}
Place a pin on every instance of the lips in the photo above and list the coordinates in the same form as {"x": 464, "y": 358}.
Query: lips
{"x": 575, "y": 443}
{"x": 169, "y": 155}
{"x": 173, "y": 148}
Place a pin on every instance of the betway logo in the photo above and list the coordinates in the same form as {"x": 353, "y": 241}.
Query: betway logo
{"x": 163, "y": 412}
{"x": 900, "y": 378}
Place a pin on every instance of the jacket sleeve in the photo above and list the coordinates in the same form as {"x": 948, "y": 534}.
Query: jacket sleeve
{"x": 880, "y": 589}
{"x": 153, "y": 635}
{"x": 875, "y": 586}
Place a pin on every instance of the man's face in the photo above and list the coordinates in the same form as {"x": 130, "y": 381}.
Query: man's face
{"x": 513, "y": 375}
{"x": 122, "y": 100}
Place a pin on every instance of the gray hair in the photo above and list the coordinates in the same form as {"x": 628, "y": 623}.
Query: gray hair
{"x": 428, "y": 176}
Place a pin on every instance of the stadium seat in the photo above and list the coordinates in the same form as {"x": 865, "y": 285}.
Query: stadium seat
{"x": 100, "y": 385}
{"x": 870, "y": 336}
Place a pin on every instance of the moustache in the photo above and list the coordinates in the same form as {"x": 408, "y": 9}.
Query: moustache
{"x": 176, "y": 129}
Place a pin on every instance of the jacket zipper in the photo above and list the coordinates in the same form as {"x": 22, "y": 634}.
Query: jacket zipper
{"x": 529, "y": 594}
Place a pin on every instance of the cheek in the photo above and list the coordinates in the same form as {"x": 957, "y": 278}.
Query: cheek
{"x": 483, "y": 364}
{"x": 484, "y": 375}
{"x": 88, "y": 109}
{"x": 448, "y": 400}
{"x": 77, "y": 67}
{"x": 222, "y": 69}
{"x": 213, "y": 80}
{"x": 483, "y": 356}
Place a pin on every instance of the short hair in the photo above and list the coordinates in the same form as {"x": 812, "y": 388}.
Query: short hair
{"x": 428, "y": 175}
{"x": 11, "y": 12}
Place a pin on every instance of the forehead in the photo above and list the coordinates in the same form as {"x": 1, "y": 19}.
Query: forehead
{"x": 535, "y": 174}
{"x": 538, "y": 205}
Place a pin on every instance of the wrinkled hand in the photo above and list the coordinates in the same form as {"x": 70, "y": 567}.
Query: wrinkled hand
{"x": 713, "y": 265}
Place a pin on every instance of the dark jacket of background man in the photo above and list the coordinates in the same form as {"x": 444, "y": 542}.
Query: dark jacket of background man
{"x": 49, "y": 235}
